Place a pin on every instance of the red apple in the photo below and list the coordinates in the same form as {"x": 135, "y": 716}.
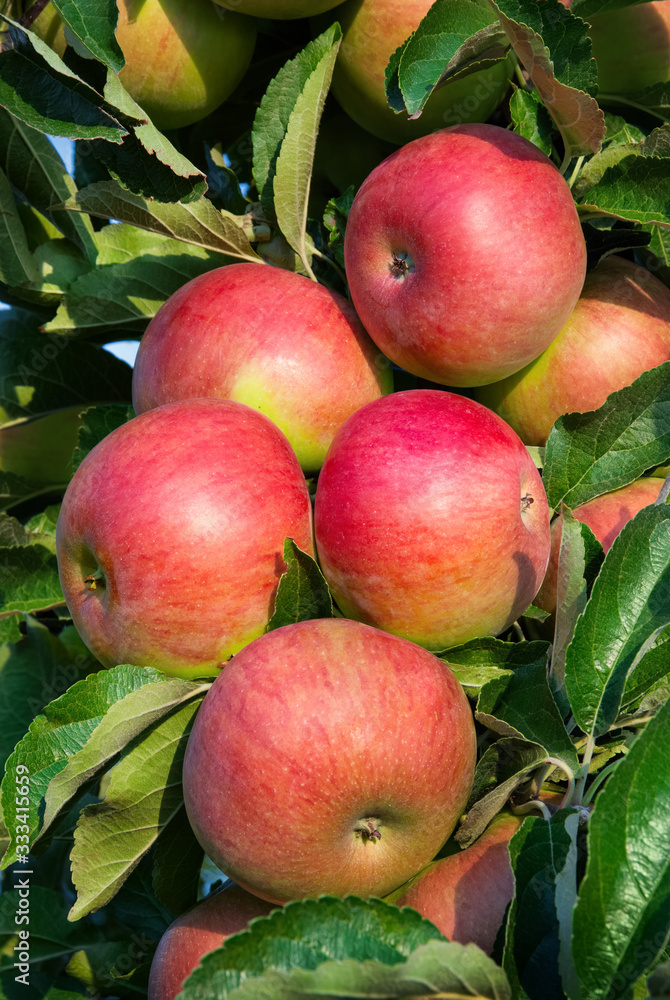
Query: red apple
{"x": 281, "y": 10}
{"x": 431, "y": 519}
{"x": 605, "y": 516}
{"x": 269, "y": 338}
{"x": 619, "y": 328}
{"x": 632, "y": 47}
{"x": 464, "y": 254}
{"x": 183, "y": 57}
{"x": 171, "y": 534}
{"x": 373, "y": 30}
{"x": 297, "y": 781}
{"x": 466, "y": 894}
{"x": 195, "y": 933}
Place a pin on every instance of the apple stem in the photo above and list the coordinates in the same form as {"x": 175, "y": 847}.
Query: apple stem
{"x": 533, "y": 805}
{"x": 575, "y": 172}
{"x": 586, "y": 763}
{"x": 33, "y": 13}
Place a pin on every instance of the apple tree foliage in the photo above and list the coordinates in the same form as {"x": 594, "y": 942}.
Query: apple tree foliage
{"x": 584, "y": 711}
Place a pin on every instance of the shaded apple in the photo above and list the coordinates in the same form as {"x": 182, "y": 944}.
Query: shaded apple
{"x": 183, "y": 57}
{"x": 171, "y": 534}
{"x": 631, "y": 46}
{"x": 464, "y": 254}
{"x": 606, "y": 515}
{"x": 619, "y": 328}
{"x": 277, "y": 341}
{"x": 297, "y": 779}
{"x": 467, "y": 893}
{"x": 279, "y": 9}
{"x": 40, "y": 449}
{"x": 345, "y": 154}
{"x": 372, "y": 31}
{"x": 195, "y": 933}
{"x": 48, "y": 25}
{"x": 431, "y": 520}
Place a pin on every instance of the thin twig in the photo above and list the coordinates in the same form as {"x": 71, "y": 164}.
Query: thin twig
{"x": 33, "y": 13}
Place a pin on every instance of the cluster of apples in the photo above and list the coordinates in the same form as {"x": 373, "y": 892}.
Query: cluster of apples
{"x": 184, "y": 58}
{"x": 431, "y": 525}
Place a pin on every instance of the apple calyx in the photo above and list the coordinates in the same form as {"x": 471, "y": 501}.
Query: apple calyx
{"x": 401, "y": 265}
{"x": 526, "y": 501}
{"x": 368, "y": 828}
{"x": 95, "y": 580}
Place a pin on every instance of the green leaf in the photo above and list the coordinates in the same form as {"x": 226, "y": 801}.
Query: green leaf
{"x": 41, "y": 373}
{"x": 592, "y": 453}
{"x": 543, "y": 855}
{"x": 534, "y": 613}
{"x": 38, "y": 88}
{"x": 65, "y": 728}
{"x": 302, "y": 592}
{"x": 144, "y": 794}
{"x": 622, "y": 917}
{"x": 177, "y": 862}
{"x": 124, "y": 721}
{"x": 453, "y": 35}
{"x": 97, "y": 423}
{"x": 502, "y": 769}
{"x": 579, "y": 561}
{"x": 136, "y": 272}
{"x": 29, "y": 578}
{"x": 628, "y": 608}
{"x": 531, "y": 119}
{"x": 553, "y": 47}
{"x": 652, "y": 668}
{"x": 51, "y": 936}
{"x": 600, "y": 243}
{"x": 583, "y": 8}
{"x": 32, "y": 673}
{"x": 654, "y": 100}
{"x": 306, "y": 933}
{"x": 198, "y": 223}
{"x": 440, "y": 968}
{"x": 480, "y": 660}
{"x": 335, "y": 220}
{"x": 136, "y": 906}
{"x": 274, "y": 112}
{"x": 521, "y": 704}
{"x": 14, "y": 489}
{"x": 296, "y": 157}
{"x": 45, "y": 522}
{"x": 94, "y": 24}
{"x": 629, "y": 181}
{"x": 146, "y": 162}
{"x": 619, "y": 131}
{"x": 16, "y": 262}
